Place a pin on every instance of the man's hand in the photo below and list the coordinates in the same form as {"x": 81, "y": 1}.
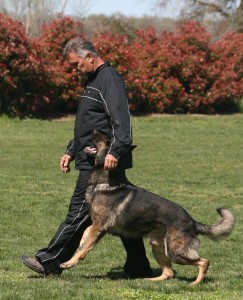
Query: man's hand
{"x": 110, "y": 162}
{"x": 65, "y": 163}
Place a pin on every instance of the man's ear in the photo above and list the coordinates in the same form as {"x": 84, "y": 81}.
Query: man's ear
{"x": 90, "y": 57}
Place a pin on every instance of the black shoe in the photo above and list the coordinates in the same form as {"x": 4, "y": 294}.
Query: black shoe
{"x": 52, "y": 268}
{"x": 33, "y": 264}
{"x": 138, "y": 270}
{"x": 46, "y": 269}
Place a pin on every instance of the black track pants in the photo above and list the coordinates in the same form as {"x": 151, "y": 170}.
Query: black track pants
{"x": 67, "y": 238}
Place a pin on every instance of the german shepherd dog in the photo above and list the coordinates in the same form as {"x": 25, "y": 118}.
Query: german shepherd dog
{"x": 132, "y": 212}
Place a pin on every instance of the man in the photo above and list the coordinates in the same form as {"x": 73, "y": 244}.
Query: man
{"x": 103, "y": 106}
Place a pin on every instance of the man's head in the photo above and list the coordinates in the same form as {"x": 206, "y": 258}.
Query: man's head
{"x": 82, "y": 55}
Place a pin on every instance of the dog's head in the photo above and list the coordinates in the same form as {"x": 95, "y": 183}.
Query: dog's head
{"x": 102, "y": 146}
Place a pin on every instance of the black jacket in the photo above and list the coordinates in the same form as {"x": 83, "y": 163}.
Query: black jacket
{"x": 103, "y": 106}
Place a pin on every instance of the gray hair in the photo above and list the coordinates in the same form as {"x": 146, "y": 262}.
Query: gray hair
{"x": 79, "y": 46}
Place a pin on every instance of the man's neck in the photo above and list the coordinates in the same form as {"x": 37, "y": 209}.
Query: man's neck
{"x": 97, "y": 63}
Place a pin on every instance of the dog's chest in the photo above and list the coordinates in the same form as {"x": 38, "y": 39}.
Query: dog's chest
{"x": 89, "y": 194}
{"x": 108, "y": 206}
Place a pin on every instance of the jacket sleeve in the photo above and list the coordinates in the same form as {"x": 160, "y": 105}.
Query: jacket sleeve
{"x": 116, "y": 105}
{"x": 70, "y": 149}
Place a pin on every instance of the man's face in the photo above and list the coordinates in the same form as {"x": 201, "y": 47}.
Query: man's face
{"x": 80, "y": 65}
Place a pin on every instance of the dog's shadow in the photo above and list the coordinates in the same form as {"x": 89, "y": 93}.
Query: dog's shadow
{"x": 114, "y": 274}
{"x": 118, "y": 274}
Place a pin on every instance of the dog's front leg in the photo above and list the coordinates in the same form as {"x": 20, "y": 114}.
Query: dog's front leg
{"x": 91, "y": 236}
{"x": 85, "y": 236}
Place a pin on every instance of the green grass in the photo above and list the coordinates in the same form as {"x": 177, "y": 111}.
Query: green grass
{"x": 194, "y": 160}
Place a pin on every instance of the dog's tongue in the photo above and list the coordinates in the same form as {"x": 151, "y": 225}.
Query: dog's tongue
{"x": 90, "y": 150}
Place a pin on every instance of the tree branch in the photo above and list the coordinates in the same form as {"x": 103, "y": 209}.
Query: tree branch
{"x": 212, "y": 7}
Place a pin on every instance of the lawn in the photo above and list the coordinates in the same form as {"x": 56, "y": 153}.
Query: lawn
{"x": 196, "y": 161}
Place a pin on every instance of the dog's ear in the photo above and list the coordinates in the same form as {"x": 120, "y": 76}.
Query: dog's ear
{"x": 96, "y": 134}
{"x": 99, "y": 139}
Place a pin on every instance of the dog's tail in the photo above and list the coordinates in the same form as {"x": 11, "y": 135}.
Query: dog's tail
{"x": 222, "y": 229}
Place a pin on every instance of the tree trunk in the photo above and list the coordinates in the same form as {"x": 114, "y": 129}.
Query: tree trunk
{"x": 27, "y": 25}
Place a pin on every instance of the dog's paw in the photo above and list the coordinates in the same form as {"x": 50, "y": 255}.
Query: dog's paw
{"x": 68, "y": 264}
{"x": 163, "y": 276}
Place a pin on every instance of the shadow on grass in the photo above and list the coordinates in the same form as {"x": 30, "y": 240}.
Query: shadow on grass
{"x": 36, "y": 277}
{"x": 117, "y": 273}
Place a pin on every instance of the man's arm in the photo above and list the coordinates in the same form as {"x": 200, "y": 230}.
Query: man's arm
{"x": 67, "y": 157}
{"x": 116, "y": 103}
{"x": 70, "y": 149}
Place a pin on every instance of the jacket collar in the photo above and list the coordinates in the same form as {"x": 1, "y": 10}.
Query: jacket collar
{"x": 91, "y": 76}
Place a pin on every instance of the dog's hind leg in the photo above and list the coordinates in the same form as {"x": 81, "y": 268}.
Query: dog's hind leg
{"x": 159, "y": 250}
{"x": 183, "y": 249}
{"x": 92, "y": 235}
{"x": 202, "y": 266}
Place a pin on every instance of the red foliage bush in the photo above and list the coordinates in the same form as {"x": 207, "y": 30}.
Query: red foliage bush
{"x": 158, "y": 87}
{"x": 170, "y": 72}
{"x": 114, "y": 48}
{"x": 21, "y": 76}
{"x": 226, "y": 71}
{"x": 174, "y": 71}
{"x": 64, "y": 86}
{"x": 34, "y": 77}
{"x": 183, "y": 72}
{"x": 177, "y": 72}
